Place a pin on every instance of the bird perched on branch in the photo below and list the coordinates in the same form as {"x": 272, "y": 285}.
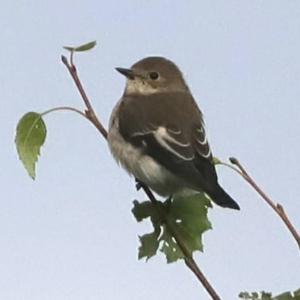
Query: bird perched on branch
{"x": 157, "y": 133}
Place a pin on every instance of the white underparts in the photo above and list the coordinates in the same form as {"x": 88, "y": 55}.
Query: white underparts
{"x": 142, "y": 166}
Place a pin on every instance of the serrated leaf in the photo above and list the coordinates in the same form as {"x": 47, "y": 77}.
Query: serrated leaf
{"x": 297, "y": 292}
{"x": 189, "y": 215}
{"x": 169, "y": 247}
{"x": 143, "y": 210}
{"x": 149, "y": 245}
{"x": 186, "y": 215}
{"x": 30, "y": 136}
{"x": 81, "y": 48}
{"x": 284, "y": 296}
{"x": 244, "y": 295}
{"x": 288, "y": 296}
{"x": 255, "y": 295}
{"x": 268, "y": 296}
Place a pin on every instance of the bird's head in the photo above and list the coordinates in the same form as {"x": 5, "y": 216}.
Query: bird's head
{"x": 153, "y": 75}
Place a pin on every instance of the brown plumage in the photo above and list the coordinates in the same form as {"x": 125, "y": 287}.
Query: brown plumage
{"x": 157, "y": 133}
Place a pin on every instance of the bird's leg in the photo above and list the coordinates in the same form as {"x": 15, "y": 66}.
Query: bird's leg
{"x": 138, "y": 184}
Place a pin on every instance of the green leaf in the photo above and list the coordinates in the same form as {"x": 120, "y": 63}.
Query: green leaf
{"x": 86, "y": 47}
{"x": 81, "y": 48}
{"x": 288, "y": 296}
{"x": 268, "y": 296}
{"x": 244, "y": 295}
{"x": 149, "y": 245}
{"x": 69, "y": 48}
{"x": 30, "y": 136}
{"x": 187, "y": 216}
{"x": 255, "y": 295}
{"x": 143, "y": 210}
{"x": 297, "y": 295}
{"x": 149, "y": 242}
{"x": 284, "y": 296}
{"x": 169, "y": 247}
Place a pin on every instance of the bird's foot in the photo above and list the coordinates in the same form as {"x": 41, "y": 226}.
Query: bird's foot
{"x": 138, "y": 184}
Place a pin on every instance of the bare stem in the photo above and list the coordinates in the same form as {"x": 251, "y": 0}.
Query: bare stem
{"x": 188, "y": 259}
{"x": 91, "y": 116}
{"x": 278, "y": 208}
{"x": 191, "y": 264}
{"x": 90, "y": 113}
{"x": 71, "y": 59}
{"x": 64, "y": 108}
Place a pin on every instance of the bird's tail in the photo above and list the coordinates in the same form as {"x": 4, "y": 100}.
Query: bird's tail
{"x": 220, "y": 197}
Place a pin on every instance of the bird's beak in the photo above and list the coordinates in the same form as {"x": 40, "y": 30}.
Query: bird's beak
{"x": 127, "y": 72}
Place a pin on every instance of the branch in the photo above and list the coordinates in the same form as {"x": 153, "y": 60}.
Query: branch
{"x": 64, "y": 108}
{"x": 278, "y": 208}
{"x": 90, "y": 113}
{"x": 191, "y": 264}
{"x": 188, "y": 258}
{"x": 92, "y": 117}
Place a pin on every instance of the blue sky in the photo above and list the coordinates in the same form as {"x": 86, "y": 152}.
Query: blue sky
{"x": 70, "y": 234}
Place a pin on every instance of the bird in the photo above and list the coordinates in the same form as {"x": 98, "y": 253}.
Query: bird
{"x": 157, "y": 133}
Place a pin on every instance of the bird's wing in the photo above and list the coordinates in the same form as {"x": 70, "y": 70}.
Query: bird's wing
{"x": 171, "y": 131}
{"x": 200, "y": 142}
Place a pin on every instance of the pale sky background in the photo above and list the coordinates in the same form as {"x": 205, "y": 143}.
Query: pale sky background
{"x": 70, "y": 234}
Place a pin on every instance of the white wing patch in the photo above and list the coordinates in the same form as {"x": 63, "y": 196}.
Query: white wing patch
{"x": 146, "y": 131}
{"x": 162, "y": 136}
{"x": 162, "y": 131}
{"x": 141, "y": 133}
{"x": 203, "y": 142}
{"x": 207, "y": 155}
{"x": 174, "y": 131}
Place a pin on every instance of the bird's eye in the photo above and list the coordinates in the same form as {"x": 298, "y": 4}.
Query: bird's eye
{"x": 153, "y": 75}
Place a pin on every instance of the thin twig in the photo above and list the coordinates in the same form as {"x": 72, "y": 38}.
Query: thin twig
{"x": 92, "y": 117}
{"x": 278, "y": 208}
{"x": 90, "y": 113}
{"x": 191, "y": 263}
{"x": 231, "y": 167}
{"x": 62, "y": 108}
{"x": 188, "y": 258}
{"x": 71, "y": 59}
{"x": 193, "y": 266}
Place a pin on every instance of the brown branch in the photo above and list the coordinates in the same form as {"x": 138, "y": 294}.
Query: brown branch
{"x": 90, "y": 113}
{"x": 278, "y": 208}
{"x": 188, "y": 259}
{"x": 193, "y": 266}
{"x": 92, "y": 117}
{"x": 65, "y": 108}
{"x": 190, "y": 262}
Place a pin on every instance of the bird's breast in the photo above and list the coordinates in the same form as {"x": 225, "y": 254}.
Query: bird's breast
{"x": 140, "y": 165}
